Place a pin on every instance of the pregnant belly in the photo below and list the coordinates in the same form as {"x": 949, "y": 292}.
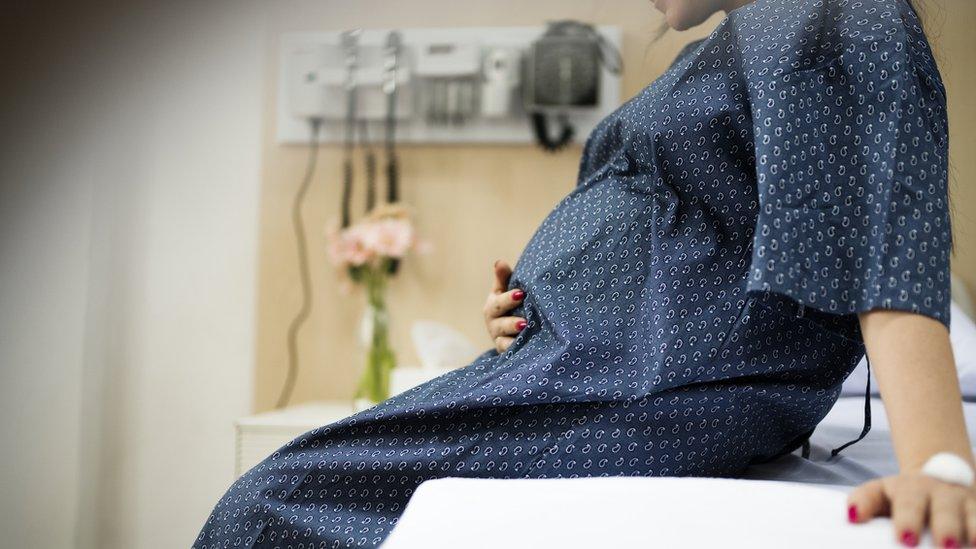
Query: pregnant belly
{"x": 631, "y": 283}
{"x": 588, "y": 259}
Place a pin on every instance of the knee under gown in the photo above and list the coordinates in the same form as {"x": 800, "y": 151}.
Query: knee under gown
{"x": 691, "y": 303}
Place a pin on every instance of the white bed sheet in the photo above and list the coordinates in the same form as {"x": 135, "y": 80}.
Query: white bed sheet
{"x": 801, "y": 507}
{"x": 870, "y": 458}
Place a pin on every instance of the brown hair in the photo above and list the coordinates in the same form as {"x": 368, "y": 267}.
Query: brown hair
{"x": 918, "y": 6}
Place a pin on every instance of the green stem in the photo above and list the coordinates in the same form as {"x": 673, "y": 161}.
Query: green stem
{"x": 380, "y": 359}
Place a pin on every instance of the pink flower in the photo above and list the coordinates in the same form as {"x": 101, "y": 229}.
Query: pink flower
{"x": 348, "y": 247}
{"x": 387, "y": 232}
{"x": 388, "y": 237}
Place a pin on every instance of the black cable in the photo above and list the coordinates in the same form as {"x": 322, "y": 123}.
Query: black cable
{"x": 392, "y": 169}
{"x": 370, "y": 166}
{"x": 392, "y": 165}
{"x": 306, "y": 277}
{"x": 393, "y": 178}
{"x": 347, "y": 172}
{"x": 540, "y": 125}
{"x": 346, "y": 189}
{"x": 393, "y": 185}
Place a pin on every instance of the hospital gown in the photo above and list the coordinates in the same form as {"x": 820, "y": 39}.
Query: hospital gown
{"x": 691, "y": 303}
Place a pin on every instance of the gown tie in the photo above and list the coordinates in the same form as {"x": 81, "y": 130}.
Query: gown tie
{"x": 867, "y": 415}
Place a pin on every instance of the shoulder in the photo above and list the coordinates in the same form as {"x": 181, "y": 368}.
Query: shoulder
{"x": 688, "y": 48}
{"x": 776, "y": 37}
{"x": 854, "y": 19}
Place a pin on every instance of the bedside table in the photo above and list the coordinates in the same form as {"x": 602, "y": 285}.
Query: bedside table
{"x": 258, "y": 436}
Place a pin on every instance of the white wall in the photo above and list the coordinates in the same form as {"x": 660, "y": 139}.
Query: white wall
{"x": 128, "y": 227}
{"x": 44, "y": 241}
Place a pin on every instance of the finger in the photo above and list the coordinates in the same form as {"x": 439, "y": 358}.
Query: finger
{"x": 969, "y": 510}
{"x": 502, "y": 274}
{"x": 867, "y": 501}
{"x": 500, "y": 304}
{"x": 506, "y": 326}
{"x": 502, "y": 343}
{"x": 909, "y": 502}
{"x": 946, "y": 515}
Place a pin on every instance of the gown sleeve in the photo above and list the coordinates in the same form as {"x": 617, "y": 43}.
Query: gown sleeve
{"x": 852, "y": 182}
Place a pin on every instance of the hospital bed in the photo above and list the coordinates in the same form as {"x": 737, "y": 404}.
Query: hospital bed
{"x": 789, "y": 502}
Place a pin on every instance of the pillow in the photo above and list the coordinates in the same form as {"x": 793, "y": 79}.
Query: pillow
{"x": 962, "y": 333}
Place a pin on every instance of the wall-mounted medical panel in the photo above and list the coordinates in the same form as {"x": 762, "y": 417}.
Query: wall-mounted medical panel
{"x": 451, "y": 85}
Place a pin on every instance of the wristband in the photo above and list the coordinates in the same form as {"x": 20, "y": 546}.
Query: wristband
{"x": 949, "y": 468}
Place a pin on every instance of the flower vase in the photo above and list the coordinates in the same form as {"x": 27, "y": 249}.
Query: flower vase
{"x": 374, "y": 384}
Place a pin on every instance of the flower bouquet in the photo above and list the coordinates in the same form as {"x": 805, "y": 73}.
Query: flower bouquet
{"x": 367, "y": 254}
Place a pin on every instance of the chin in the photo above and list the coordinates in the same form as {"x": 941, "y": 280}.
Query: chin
{"x": 685, "y": 15}
{"x": 678, "y": 23}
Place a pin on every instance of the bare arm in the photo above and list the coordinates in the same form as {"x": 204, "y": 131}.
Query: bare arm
{"x": 912, "y": 358}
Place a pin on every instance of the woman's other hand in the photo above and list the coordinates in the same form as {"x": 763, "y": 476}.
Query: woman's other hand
{"x": 915, "y": 501}
{"x": 912, "y": 355}
{"x": 501, "y": 327}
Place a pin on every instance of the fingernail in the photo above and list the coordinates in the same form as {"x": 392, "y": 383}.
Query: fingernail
{"x": 517, "y": 295}
{"x": 950, "y": 542}
{"x": 909, "y": 538}
{"x": 520, "y": 325}
{"x": 852, "y": 513}
{"x": 495, "y": 264}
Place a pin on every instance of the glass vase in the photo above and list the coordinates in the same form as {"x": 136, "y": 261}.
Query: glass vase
{"x": 374, "y": 384}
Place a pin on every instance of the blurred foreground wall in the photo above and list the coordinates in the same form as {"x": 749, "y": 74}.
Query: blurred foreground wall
{"x": 129, "y": 162}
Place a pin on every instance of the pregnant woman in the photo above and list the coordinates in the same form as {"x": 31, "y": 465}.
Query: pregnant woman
{"x": 741, "y": 232}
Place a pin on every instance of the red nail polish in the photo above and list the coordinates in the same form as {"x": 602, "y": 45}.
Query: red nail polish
{"x": 517, "y": 295}
{"x": 852, "y": 513}
{"x": 909, "y": 538}
{"x": 950, "y": 543}
{"x": 520, "y": 325}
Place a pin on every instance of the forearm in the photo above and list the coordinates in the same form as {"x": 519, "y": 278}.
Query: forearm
{"x": 911, "y": 357}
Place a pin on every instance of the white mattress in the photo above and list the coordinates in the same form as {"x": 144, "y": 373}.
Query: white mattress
{"x": 871, "y": 457}
{"x": 803, "y": 506}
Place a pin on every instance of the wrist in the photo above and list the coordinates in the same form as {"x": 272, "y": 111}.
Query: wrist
{"x": 916, "y": 462}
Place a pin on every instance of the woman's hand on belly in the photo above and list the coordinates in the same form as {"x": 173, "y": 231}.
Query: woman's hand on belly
{"x": 503, "y": 328}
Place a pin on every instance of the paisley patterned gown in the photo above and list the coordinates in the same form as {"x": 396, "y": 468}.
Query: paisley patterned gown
{"x": 692, "y": 302}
